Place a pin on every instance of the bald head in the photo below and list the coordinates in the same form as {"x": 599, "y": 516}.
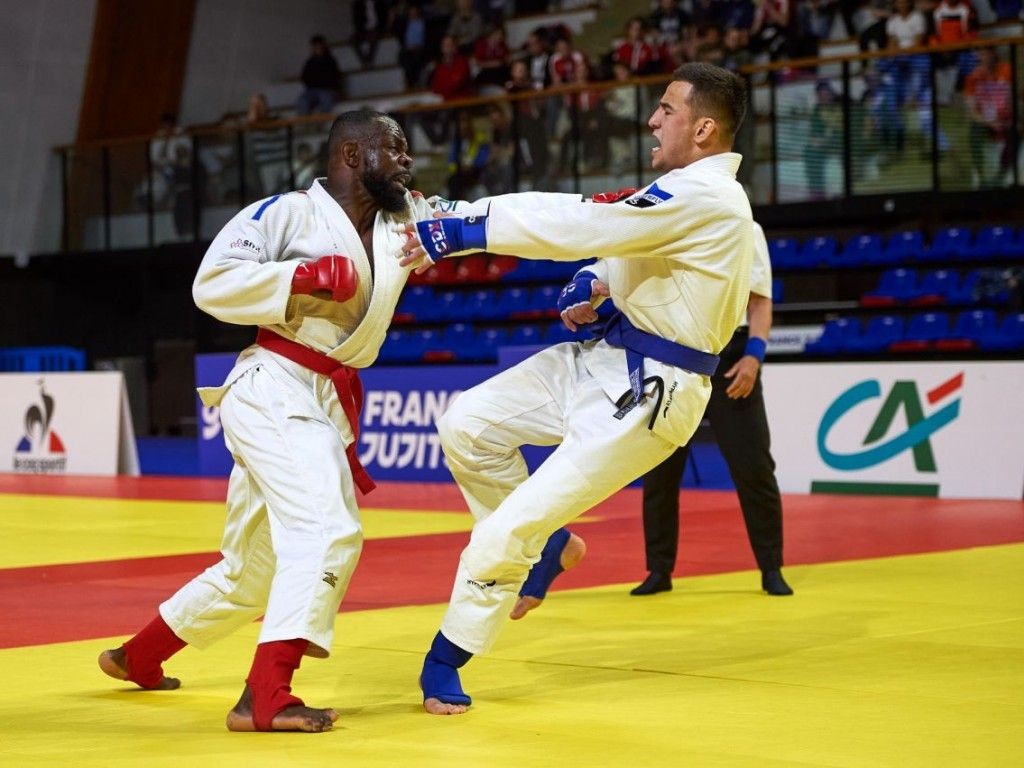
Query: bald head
{"x": 363, "y": 126}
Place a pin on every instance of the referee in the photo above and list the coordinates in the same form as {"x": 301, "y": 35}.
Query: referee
{"x": 736, "y": 412}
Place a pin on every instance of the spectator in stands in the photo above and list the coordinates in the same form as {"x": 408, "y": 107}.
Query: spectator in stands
{"x": 874, "y": 37}
{"x": 467, "y": 159}
{"x": 305, "y": 166}
{"x": 955, "y": 21}
{"x": 635, "y": 52}
{"x": 266, "y": 150}
{"x": 669, "y": 22}
{"x": 736, "y": 54}
{"x": 369, "y": 20}
{"x": 497, "y": 173}
{"x": 773, "y": 27}
{"x": 824, "y": 138}
{"x": 466, "y": 27}
{"x": 988, "y": 90}
{"x": 490, "y": 54}
{"x": 321, "y": 78}
{"x": 709, "y": 47}
{"x": 906, "y": 28}
{"x": 163, "y": 154}
{"x": 536, "y": 58}
{"x": 586, "y": 131}
{"x": 814, "y": 24}
{"x": 563, "y": 63}
{"x": 411, "y": 31}
{"x": 451, "y": 80}
{"x": 622, "y": 115}
{"x": 530, "y": 124}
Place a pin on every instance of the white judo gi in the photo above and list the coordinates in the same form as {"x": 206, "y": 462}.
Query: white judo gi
{"x": 677, "y": 259}
{"x": 292, "y": 537}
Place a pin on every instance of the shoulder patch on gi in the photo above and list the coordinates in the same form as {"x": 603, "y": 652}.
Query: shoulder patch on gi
{"x": 653, "y": 195}
{"x": 259, "y": 211}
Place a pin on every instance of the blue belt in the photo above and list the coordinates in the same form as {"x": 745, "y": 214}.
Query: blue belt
{"x": 619, "y": 332}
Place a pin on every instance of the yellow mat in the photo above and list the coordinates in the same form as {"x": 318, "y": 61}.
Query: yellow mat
{"x": 909, "y": 661}
{"x": 43, "y": 530}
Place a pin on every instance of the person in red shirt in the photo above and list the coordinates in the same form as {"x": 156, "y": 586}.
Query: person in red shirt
{"x": 451, "y": 79}
{"x": 989, "y": 93}
{"x": 636, "y": 53}
{"x": 955, "y": 21}
{"x": 491, "y": 57}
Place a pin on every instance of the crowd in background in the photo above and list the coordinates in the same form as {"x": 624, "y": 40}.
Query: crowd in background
{"x": 594, "y": 130}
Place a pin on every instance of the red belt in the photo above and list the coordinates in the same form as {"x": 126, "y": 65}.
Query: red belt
{"x": 346, "y": 384}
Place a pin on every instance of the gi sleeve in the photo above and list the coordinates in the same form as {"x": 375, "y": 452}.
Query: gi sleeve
{"x": 761, "y": 267}
{"x": 241, "y": 279}
{"x": 569, "y": 232}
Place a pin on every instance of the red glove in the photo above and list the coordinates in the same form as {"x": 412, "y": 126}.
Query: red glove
{"x": 614, "y": 197}
{"x": 335, "y": 275}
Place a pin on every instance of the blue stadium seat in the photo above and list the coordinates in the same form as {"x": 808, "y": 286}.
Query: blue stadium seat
{"x": 905, "y": 247}
{"x": 1009, "y": 336}
{"x": 964, "y": 295}
{"x": 927, "y": 327}
{"x": 448, "y": 306}
{"x": 41, "y": 359}
{"x": 995, "y": 242}
{"x": 894, "y": 287}
{"x": 818, "y": 252}
{"x": 557, "y": 333}
{"x": 784, "y": 253}
{"x": 974, "y": 325}
{"x": 490, "y": 339}
{"x": 461, "y": 339}
{"x": 401, "y": 347}
{"x": 937, "y": 287}
{"x": 952, "y": 243}
{"x": 778, "y": 293}
{"x": 525, "y": 335}
{"x": 833, "y": 337}
{"x": 877, "y": 335}
{"x": 545, "y": 300}
{"x": 482, "y": 305}
{"x": 861, "y": 250}
{"x": 415, "y": 302}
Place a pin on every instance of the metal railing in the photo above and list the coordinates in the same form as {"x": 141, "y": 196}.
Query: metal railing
{"x": 832, "y": 128}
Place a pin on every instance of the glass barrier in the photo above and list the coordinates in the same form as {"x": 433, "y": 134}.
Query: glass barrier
{"x": 824, "y": 130}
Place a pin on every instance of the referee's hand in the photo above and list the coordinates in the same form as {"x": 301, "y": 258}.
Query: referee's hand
{"x": 744, "y": 376}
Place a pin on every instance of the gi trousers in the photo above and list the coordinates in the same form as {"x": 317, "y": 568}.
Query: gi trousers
{"x": 549, "y": 399}
{"x": 292, "y": 536}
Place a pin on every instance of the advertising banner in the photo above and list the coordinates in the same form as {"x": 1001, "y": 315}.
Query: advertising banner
{"x": 948, "y": 429}
{"x": 66, "y": 423}
{"x": 398, "y": 439}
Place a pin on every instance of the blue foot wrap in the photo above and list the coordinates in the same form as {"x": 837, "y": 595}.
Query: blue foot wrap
{"x": 544, "y": 571}
{"x": 440, "y": 676}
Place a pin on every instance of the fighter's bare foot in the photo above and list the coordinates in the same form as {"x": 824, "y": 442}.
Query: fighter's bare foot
{"x": 297, "y": 718}
{"x": 575, "y": 549}
{"x": 114, "y": 664}
{"x": 438, "y": 707}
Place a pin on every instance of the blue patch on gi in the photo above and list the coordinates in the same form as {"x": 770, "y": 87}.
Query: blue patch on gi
{"x": 654, "y": 195}
{"x": 259, "y": 211}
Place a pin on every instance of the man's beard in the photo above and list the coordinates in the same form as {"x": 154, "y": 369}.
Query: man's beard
{"x": 388, "y": 194}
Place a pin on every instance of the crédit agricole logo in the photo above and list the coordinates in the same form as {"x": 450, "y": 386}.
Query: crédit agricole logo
{"x": 882, "y": 443}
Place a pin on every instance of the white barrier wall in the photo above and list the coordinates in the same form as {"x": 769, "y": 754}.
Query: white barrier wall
{"x": 954, "y": 430}
{"x": 66, "y": 423}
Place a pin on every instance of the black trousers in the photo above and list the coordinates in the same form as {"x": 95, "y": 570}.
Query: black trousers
{"x": 741, "y": 429}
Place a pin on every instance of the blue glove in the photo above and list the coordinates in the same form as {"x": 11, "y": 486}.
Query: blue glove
{"x": 579, "y": 291}
{"x": 443, "y": 237}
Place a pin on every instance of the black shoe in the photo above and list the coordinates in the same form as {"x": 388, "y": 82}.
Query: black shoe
{"x": 773, "y": 583}
{"x": 656, "y": 581}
